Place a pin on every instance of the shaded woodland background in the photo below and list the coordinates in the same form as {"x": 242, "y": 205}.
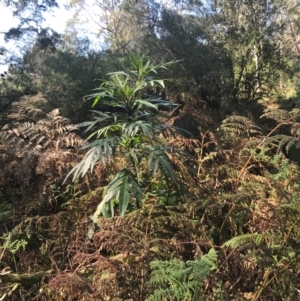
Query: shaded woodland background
{"x": 210, "y": 155}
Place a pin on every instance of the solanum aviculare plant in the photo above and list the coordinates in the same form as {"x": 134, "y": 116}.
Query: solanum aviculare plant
{"x": 133, "y": 135}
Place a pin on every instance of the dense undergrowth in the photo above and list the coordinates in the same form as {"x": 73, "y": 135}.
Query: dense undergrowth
{"x": 209, "y": 216}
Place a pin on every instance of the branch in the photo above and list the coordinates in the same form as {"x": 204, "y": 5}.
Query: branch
{"x": 25, "y": 280}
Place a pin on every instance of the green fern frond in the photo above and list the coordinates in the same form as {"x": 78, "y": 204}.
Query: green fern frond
{"x": 291, "y": 145}
{"x": 5, "y": 214}
{"x": 240, "y": 240}
{"x": 239, "y": 125}
{"x": 178, "y": 280}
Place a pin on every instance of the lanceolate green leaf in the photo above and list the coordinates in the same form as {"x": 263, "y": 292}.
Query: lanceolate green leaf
{"x": 106, "y": 148}
{"x": 146, "y": 103}
{"x": 152, "y": 82}
{"x": 158, "y": 157}
{"x": 133, "y": 128}
{"x": 165, "y": 129}
{"x": 123, "y": 188}
{"x": 123, "y": 195}
{"x": 98, "y": 119}
{"x": 88, "y": 162}
{"x": 101, "y": 94}
{"x": 105, "y": 131}
{"x": 100, "y": 150}
{"x": 134, "y": 156}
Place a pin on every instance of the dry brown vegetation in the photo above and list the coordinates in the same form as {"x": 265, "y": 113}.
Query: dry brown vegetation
{"x": 240, "y": 198}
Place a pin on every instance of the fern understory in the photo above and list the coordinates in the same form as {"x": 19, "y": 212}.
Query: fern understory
{"x": 224, "y": 225}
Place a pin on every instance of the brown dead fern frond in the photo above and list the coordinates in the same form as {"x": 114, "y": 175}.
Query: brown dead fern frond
{"x": 105, "y": 281}
{"x": 43, "y": 151}
{"x": 53, "y": 132}
{"x": 185, "y": 143}
{"x": 279, "y": 115}
{"x": 208, "y": 139}
{"x": 27, "y": 108}
{"x": 295, "y": 130}
{"x": 70, "y": 286}
{"x": 54, "y": 163}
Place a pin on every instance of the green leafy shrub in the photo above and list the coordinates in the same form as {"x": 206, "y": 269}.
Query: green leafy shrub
{"x": 133, "y": 136}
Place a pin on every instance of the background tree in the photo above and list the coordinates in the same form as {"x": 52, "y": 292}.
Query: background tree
{"x": 64, "y": 78}
{"x": 30, "y": 14}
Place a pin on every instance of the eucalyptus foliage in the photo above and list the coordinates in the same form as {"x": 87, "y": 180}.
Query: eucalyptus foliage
{"x": 133, "y": 135}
